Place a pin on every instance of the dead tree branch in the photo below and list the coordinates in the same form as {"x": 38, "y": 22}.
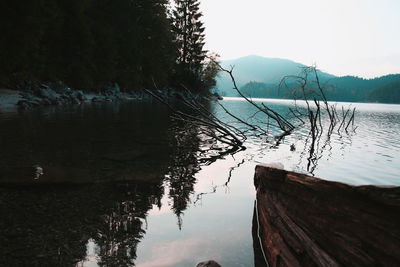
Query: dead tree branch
{"x": 282, "y": 123}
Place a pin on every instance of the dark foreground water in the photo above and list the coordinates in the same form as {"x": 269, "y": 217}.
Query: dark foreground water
{"x": 144, "y": 189}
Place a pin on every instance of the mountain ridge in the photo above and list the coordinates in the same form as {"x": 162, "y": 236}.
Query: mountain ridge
{"x": 259, "y": 76}
{"x": 259, "y": 69}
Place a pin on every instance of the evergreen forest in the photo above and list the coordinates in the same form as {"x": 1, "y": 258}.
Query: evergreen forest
{"x": 260, "y": 77}
{"x": 88, "y": 44}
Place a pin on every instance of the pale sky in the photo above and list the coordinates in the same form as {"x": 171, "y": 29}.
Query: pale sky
{"x": 353, "y": 37}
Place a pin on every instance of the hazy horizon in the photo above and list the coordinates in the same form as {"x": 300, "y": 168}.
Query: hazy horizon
{"x": 358, "y": 38}
{"x": 318, "y": 67}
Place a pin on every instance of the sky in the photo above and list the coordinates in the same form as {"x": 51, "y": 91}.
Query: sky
{"x": 353, "y": 37}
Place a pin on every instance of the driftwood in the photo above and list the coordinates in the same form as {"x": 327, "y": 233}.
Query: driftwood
{"x": 281, "y": 121}
{"x": 306, "y": 221}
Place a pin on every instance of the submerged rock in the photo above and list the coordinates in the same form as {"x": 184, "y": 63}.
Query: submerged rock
{"x": 210, "y": 263}
{"x": 38, "y": 171}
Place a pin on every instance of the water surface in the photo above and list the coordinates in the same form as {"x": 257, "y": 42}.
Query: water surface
{"x": 150, "y": 200}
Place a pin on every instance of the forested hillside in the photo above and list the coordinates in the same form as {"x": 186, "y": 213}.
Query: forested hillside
{"x": 389, "y": 93}
{"x": 89, "y": 43}
{"x": 348, "y": 88}
{"x": 260, "y": 77}
{"x": 85, "y": 43}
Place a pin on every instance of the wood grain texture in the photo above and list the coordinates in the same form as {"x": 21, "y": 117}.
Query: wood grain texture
{"x": 306, "y": 221}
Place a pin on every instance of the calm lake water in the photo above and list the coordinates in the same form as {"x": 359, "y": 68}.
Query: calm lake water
{"x": 179, "y": 207}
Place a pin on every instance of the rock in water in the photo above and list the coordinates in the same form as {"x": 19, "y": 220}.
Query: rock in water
{"x": 38, "y": 171}
{"x": 210, "y": 263}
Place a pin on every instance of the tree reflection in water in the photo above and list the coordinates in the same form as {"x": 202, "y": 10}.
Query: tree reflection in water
{"x": 192, "y": 150}
{"x": 122, "y": 228}
{"x": 182, "y": 170}
{"x": 51, "y": 225}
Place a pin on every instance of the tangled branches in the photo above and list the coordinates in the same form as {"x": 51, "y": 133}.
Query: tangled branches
{"x": 282, "y": 123}
{"x": 207, "y": 123}
{"x": 307, "y": 87}
{"x": 317, "y": 112}
{"x": 311, "y": 110}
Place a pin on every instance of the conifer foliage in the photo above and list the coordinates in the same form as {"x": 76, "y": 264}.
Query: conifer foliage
{"x": 190, "y": 40}
{"x": 88, "y": 44}
{"x": 189, "y": 34}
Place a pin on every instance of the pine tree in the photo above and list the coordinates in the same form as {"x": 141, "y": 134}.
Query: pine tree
{"x": 189, "y": 36}
{"x": 86, "y": 43}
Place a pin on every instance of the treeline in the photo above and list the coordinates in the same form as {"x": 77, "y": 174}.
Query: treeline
{"x": 355, "y": 89}
{"x": 89, "y": 44}
{"x": 385, "y": 89}
{"x": 389, "y": 93}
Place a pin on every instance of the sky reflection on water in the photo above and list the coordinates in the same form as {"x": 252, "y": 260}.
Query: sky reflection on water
{"x": 368, "y": 156}
{"x": 196, "y": 212}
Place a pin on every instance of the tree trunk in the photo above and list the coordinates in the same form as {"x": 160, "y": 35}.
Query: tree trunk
{"x": 306, "y": 221}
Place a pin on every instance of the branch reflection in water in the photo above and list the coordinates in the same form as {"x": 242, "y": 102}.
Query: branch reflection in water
{"x": 54, "y": 224}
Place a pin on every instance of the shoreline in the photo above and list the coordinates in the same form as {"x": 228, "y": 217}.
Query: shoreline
{"x": 14, "y": 100}
{"x": 58, "y": 94}
{"x": 9, "y": 98}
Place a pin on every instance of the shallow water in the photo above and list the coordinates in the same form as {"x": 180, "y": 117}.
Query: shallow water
{"x": 176, "y": 211}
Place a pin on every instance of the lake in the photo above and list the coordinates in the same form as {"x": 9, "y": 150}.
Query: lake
{"x": 147, "y": 191}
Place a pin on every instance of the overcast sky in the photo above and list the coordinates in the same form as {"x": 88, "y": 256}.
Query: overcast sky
{"x": 353, "y": 37}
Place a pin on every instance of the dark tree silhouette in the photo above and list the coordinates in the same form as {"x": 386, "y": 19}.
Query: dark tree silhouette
{"x": 191, "y": 68}
{"x": 189, "y": 35}
{"x": 86, "y": 44}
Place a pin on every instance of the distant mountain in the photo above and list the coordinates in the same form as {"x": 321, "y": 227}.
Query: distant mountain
{"x": 258, "y": 69}
{"x": 259, "y": 77}
{"x": 385, "y": 89}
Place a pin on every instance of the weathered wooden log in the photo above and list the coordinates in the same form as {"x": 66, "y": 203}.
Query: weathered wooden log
{"x": 306, "y": 221}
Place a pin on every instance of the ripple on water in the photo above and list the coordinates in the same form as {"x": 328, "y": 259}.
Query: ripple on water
{"x": 194, "y": 207}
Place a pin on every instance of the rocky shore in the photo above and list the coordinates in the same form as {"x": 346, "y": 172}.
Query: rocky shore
{"x": 306, "y": 221}
{"x": 56, "y": 93}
